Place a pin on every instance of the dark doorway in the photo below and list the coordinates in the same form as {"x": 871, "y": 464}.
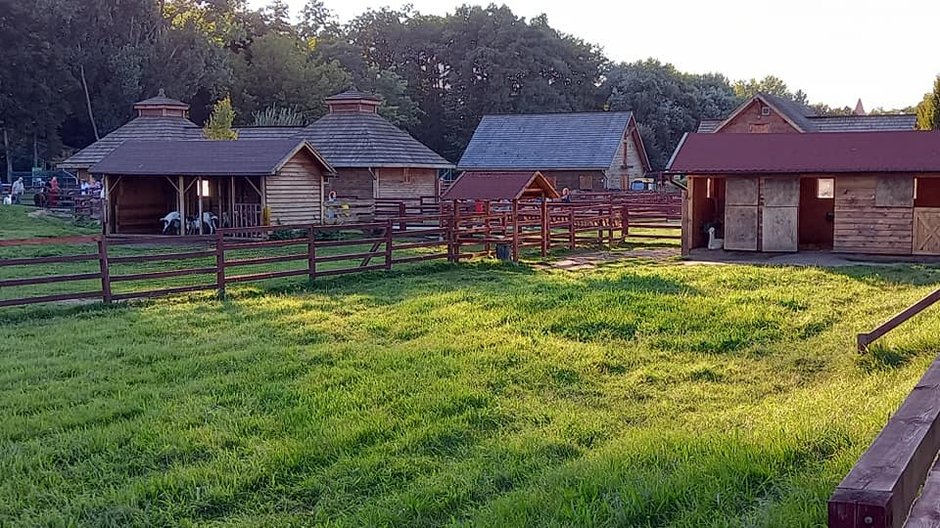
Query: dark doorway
{"x": 817, "y": 213}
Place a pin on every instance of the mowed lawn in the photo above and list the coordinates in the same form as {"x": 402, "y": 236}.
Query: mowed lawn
{"x": 635, "y": 394}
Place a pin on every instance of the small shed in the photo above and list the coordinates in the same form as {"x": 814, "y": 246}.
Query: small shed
{"x": 848, "y": 192}
{"x": 500, "y": 186}
{"x": 243, "y": 183}
{"x": 482, "y": 189}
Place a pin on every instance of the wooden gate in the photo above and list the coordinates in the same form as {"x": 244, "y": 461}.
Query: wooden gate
{"x": 927, "y": 231}
{"x": 742, "y": 195}
{"x": 779, "y": 213}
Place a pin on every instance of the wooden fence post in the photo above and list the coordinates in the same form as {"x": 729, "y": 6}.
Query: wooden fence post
{"x": 220, "y": 263}
{"x": 455, "y": 234}
{"x": 105, "y": 269}
{"x": 311, "y": 253}
{"x": 388, "y": 245}
{"x": 515, "y": 230}
{"x": 624, "y": 223}
{"x": 402, "y": 212}
{"x": 546, "y": 234}
{"x": 571, "y": 231}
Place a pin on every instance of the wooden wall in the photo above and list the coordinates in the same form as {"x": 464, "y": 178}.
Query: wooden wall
{"x": 139, "y": 202}
{"x": 627, "y": 165}
{"x": 572, "y": 180}
{"x": 864, "y": 226}
{"x": 750, "y": 119}
{"x": 358, "y": 183}
{"x": 406, "y": 183}
{"x": 295, "y": 194}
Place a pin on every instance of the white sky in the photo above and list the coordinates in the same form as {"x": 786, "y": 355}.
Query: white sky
{"x": 884, "y": 52}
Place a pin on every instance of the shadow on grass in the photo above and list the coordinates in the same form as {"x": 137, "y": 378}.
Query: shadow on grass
{"x": 884, "y": 276}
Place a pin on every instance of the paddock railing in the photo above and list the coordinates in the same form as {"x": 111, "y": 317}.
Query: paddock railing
{"x": 895, "y": 483}
{"x": 864, "y": 340}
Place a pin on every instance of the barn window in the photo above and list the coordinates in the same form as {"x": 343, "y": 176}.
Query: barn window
{"x": 765, "y": 110}
{"x": 758, "y": 128}
{"x": 927, "y": 192}
{"x": 825, "y": 188}
{"x": 586, "y": 182}
{"x": 204, "y": 188}
{"x": 709, "y": 188}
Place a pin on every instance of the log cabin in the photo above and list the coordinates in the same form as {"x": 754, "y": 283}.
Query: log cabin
{"x": 846, "y": 192}
{"x": 591, "y": 151}
{"x": 240, "y": 182}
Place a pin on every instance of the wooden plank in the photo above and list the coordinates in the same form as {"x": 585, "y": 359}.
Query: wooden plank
{"x": 50, "y": 279}
{"x": 50, "y": 298}
{"x": 864, "y": 340}
{"x": 48, "y": 260}
{"x": 351, "y": 256}
{"x": 265, "y": 260}
{"x": 186, "y": 255}
{"x": 266, "y": 276}
{"x": 879, "y": 490}
{"x": 49, "y": 241}
{"x": 926, "y": 510}
{"x": 162, "y": 293}
{"x": 345, "y": 271}
{"x": 164, "y": 274}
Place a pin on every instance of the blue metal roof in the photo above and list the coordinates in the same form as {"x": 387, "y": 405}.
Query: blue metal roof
{"x": 575, "y": 141}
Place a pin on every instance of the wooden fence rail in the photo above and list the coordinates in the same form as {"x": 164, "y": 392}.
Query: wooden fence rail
{"x": 866, "y": 339}
{"x": 886, "y": 480}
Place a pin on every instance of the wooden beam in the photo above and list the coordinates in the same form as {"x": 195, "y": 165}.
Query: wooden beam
{"x": 864, "y": 340}
{"x": 181, "y": 203}
{"x": 879, "y": 490}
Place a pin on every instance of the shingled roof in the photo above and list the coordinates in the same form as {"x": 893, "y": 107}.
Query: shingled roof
{"x": 836, "y": 152}
{"x": 473, "y": 185}
{"x": 358, "y": 139}
{"x": 570, "y": 141}
{"x": 807, "y": 120}
{"x": 203, "y": 158}
{"x": 138, "y": 129}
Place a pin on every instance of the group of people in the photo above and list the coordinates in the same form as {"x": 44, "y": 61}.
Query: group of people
{"x": 49, "y": 193}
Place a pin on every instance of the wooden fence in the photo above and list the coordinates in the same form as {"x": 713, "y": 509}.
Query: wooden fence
{"x": 897, "y": 471}
{"x": 231, "y": 256}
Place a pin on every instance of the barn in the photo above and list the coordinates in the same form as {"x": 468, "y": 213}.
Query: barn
{"x": 848, "y": 192}
{"x": 240, "y": 182}
{"x": 590, "y": 151}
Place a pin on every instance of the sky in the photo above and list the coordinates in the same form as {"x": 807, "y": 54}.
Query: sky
{"x": 837, "y": 51}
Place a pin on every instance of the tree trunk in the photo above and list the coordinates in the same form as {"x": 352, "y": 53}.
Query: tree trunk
{"x": 35, "y": 150}
{"x": 91, "y": 115}
{"x": 8, "y": 156}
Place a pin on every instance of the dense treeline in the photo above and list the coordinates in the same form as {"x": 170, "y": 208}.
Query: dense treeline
{"x": 71, "y": 70}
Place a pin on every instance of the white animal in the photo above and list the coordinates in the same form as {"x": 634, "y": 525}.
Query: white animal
{"x": 171, "y": 222}
{"x": 7, "y": 200}
{"x": 210, "y": 223}
{"x": 714, "y": 243}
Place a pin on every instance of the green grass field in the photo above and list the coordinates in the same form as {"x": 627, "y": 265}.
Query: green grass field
{"x": 635, "y": 394}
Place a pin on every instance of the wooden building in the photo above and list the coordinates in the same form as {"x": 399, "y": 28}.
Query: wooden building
{"x": 848, "y": 192}
{"x": 240, "y": 182}
{"x": 592, "y": 151}
{"x": 373, "y": 158}
{"x": 770, "y": 114}
{"x": 157, "y": 118}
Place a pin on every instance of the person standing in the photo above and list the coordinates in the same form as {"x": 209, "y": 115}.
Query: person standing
{"x": 17, "y": 190}
{"x": 53, "y": 191}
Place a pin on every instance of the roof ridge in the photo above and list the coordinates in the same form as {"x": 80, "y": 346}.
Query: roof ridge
{"x": 587, "y": 112}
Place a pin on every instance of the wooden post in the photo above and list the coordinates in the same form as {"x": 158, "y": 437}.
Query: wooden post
{"x": 545, "y": 228}
{"x": 455, "y": 234}
{"x": 402, "y": 212}
{"x": 624, "y": 223}
{"x": 231, "y": 194}
{"x": 515, "y": 230}
{"x": 388, "y": 245}
{"x": 487, "y": 230}
{"x": 311, "y": 253}
{"x": 611, "y": 221}
{"x": 181, "y": 203}
{"x": 199, "y": 196}
{"x": 220, "y": 263}
{"x": 105, "y": 269}
{"x": 571, "y": 231}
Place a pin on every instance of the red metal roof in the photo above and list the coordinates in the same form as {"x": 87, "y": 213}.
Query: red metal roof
{"x": 473, "y": 185}
{"x": 895, "y": 151}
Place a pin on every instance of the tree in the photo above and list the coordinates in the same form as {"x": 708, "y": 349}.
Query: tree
{"x": 219, "y": 125}
{"x": 278, "y": 116}
{"x": 928, "y": 111}
{"x": 666, "y": 102}
{"x": 277, "y": 70}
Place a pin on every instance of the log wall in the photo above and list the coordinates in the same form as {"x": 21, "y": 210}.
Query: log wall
{"x": 863, "y": 227}
{"x": 295, "y": 194}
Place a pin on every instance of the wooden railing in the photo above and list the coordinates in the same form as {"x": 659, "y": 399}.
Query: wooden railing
{"x": 207, "y": 262}
{"x": 887, "y": 479}
{"x": 866, "y": 339}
